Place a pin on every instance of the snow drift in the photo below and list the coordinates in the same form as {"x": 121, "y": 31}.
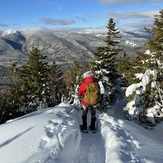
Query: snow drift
{"x": 53, "y": 135}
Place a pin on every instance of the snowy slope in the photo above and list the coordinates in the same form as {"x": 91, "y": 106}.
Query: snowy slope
{"x": 53, "y": 136}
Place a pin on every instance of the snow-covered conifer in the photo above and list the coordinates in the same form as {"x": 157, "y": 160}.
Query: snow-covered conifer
{"x": 146, "y": 97}
{"x": 72, "y": 78}
{"x": 105, "y": 61}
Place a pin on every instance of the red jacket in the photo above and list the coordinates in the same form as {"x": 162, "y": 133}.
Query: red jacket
{"x": 82, "y": 89}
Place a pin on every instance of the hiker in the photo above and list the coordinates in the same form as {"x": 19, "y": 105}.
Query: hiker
{"x": 89, "y": 92}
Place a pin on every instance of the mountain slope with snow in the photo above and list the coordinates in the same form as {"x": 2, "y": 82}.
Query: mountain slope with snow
{"x": 53, "y": 135}
{"x": 59, "y": 45}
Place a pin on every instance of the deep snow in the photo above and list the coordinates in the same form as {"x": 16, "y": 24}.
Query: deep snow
{"x": 53, "y": 136}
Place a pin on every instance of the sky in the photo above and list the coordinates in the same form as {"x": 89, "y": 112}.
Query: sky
{"x": 127, "y": 14}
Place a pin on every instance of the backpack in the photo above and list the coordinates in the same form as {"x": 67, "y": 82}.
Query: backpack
{"x": 92, "y": 95}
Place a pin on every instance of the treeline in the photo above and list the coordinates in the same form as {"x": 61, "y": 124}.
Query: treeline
{"x": 40, "y": 84}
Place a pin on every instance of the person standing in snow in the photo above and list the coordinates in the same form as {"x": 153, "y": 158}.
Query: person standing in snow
{"x": 89, "y": 91}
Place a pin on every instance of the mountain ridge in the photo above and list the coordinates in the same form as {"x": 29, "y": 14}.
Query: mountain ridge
{"x": 58, "y": 45}
{"x": 63, "y": 47}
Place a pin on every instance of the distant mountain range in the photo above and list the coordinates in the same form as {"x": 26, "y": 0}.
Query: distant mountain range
{"x": 61, "y": 47}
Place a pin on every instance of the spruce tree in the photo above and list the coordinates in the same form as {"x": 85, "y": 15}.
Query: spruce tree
{"x": 148, "y": 95}
{"x": 125, "y": 69}
{"x": 56, "y": 84}
{"x": 34, "y": 86}
{"x": 105, "y": 61}
{"x": 151, "y": 55}
{"x": 11, "y": 98}
{"x": 154, "y": 44}
{"x": 72, "y": 78}
{"x": 34, "y": 76}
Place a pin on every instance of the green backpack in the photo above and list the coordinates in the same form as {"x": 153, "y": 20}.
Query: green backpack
{"x": 92, "y": 95}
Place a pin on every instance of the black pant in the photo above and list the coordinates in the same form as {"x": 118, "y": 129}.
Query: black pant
{"x": 92, "y": 109}
{"x": 93, "y": 117}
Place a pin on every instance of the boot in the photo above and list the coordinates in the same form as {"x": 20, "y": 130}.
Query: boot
{"x": 84, "y": 126}
{"x": 92, "y": 125}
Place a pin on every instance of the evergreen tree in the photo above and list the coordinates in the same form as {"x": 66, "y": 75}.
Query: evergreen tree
{"x": 72, "y": 77}
{"x": 16, "y": 88}
{"x": 34, "y": 76}
{"x": 125, "y": 68}
{"x": 56, "y": 84}
{"x": 11, "y": 97}
{"x": 34, "y": 85}
{"x": 106, "y": 58}
{"x": 154, "y": 44}
{"x": 151, "y": 55}
{"x": 149, "y": 62}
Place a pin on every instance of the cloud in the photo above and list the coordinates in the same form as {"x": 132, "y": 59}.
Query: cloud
{"x": 133, "y": 14}
{"x": 132, "y": 20}
{"x": 116, "y": 2}
{"x": 3, "y": 25}
{"x": 31, "y": 30}
{"x": 81, "y": 19}
{"x": 55, "y": 22}
{"x": 135, "y": 26}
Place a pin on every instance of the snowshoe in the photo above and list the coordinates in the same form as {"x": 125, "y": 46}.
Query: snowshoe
{"x": 84, "y": 129}
{"x": 93, "y": 130}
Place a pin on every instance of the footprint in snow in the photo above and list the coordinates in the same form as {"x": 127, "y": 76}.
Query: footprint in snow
{"x": 49, "y": 131}
{"x": 60, "y": 114}
{"x": 54, "y": 122}
{"x": 52, "y": 128}
{"x": 43, "y": 142}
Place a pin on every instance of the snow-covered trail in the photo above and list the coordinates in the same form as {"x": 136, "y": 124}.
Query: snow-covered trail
{"x": 68, "y": 144}
{"x": 53, "y": 136}
{"x": 91, "y": 149}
